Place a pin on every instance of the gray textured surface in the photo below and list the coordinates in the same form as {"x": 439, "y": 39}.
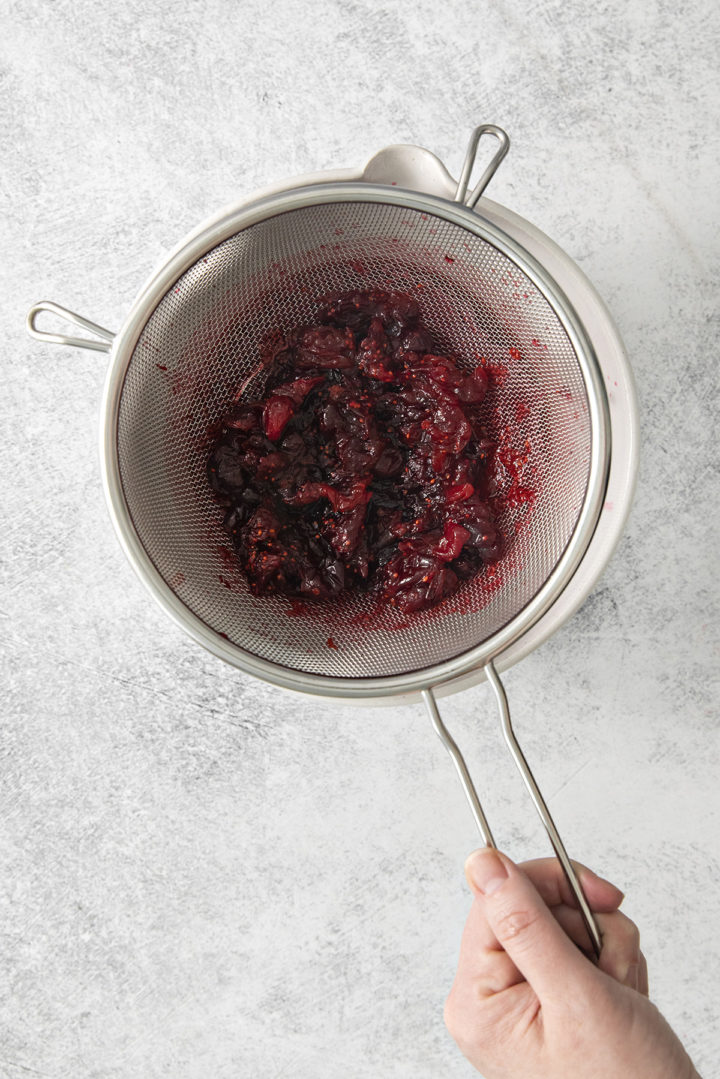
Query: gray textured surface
{"x": 201, "y": 876}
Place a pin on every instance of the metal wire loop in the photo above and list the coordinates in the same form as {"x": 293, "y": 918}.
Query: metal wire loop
{"x": 490, "y": 170}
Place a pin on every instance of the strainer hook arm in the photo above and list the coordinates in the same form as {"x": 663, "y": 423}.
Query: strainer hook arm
{"x": 103, "y": 345}
{"x": 461, "y": 194}
{"x": 542, "y": 809}
{"x": 459, "y": 762}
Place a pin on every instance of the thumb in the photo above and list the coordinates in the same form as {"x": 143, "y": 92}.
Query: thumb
{"x": 523, "y": 925}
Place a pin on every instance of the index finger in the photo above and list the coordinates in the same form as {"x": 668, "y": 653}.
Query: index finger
{"x": 550, "y": 881}
{"x": 480, "y": 950}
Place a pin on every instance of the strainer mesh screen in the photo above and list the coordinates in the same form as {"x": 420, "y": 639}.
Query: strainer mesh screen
{"x": 201, "y": 345}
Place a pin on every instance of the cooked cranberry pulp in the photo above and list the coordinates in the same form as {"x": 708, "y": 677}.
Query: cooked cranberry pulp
{"x": 362, "y": 468}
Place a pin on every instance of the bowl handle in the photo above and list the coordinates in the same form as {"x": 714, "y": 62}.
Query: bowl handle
{"x": 417, "y": 169}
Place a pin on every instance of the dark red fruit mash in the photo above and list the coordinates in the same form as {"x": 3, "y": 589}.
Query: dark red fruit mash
{"x": 362, "y": 468}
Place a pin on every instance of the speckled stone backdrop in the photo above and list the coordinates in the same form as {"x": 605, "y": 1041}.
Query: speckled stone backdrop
{"x": 202, "y": 876}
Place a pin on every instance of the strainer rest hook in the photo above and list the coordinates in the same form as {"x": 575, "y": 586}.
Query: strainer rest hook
{"x": 461, "y": 194}
{"x": 102, "y": 343}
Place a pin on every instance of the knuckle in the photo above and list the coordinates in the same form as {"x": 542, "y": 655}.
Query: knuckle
{"x": 455, "y": 1017}
{"x": 629, "y": 935}
{"x": 515, "y": 925}
{"x": 450, "y": 1014}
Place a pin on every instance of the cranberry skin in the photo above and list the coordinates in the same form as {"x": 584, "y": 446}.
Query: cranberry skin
{"x": 342, "y": 500}
{"x": 298, "y": 390}
{"x": 374, "y": 354}
{"x": 235, "y": 518}
{"x": 390, "y": 462}
{"x": 417, "y": 582}
{"x": 347, "y": 529}
{"x": 416, "y": 341}
{"x": 454, "y": 539}
{"x": 405, "y": 310}
{"x": 459, "y": 492}
{"x": 443, "y": 370}
{"x": 276, "y": 416}
{"x": 272, "y": 465}
{"x": 225, "y": 471}
{"x": 477, "y": 518}
{"x": 449, "y": 428}
{"x": 244, "y": 417}
{"x": 473, "y": 388}
{"x": 326, "y": 347}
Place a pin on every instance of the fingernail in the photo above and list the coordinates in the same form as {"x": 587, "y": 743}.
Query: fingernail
{"x": 632, "y": 978}
{"x": 485, "y": 872}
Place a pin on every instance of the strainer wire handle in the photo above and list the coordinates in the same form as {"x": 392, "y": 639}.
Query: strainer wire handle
{"x": 542, "y": 809}
{"x": 459, "y": 762}
{"x": 538, "y": 800}
{"x": 106, "y": 336}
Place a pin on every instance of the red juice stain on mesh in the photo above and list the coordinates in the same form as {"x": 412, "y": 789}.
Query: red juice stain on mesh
{"x": 510, "y": 464}
{"x": 362, "y": 468}
{"x": 297, "y": 609}
{"x": 227, "y": 557}
{"x": 231, "y": 577}
{"x": 497, "y": 374}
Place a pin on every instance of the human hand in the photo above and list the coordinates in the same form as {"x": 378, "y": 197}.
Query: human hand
{"x": 527, "y": 1003}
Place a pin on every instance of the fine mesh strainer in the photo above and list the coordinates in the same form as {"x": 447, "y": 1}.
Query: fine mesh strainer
{"x": 191, "y": 343}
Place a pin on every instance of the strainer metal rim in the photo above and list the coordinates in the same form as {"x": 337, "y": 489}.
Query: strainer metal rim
{"x": 186, "y": 255}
